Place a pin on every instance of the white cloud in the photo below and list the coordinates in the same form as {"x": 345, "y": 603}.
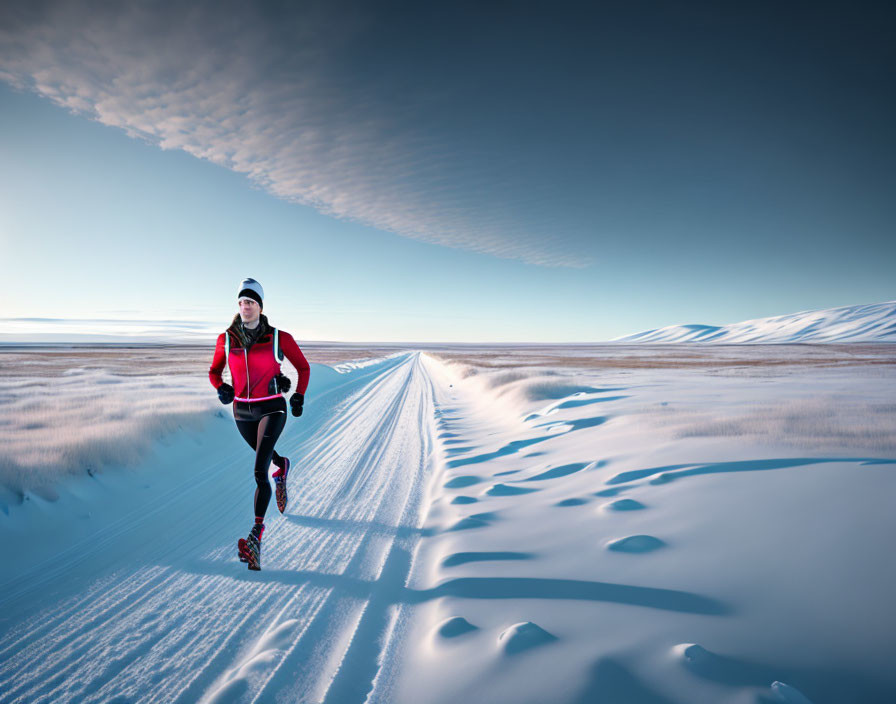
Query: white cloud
{"x": 16, "y": 330}
{"x": 269, "y": 100}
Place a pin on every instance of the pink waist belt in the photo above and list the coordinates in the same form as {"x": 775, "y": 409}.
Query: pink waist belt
{"x": 263, "y": 398}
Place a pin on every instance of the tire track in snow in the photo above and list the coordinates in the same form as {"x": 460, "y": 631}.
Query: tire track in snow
{"x": 317, "y": 655}
{"x": 360, "y": 667}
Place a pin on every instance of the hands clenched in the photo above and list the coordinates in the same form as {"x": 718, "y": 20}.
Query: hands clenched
{"x": 296, "y": 402}
{"x": 225, "y": 393}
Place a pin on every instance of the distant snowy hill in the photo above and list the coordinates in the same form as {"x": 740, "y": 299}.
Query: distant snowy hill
{"x": 874, "y": 322}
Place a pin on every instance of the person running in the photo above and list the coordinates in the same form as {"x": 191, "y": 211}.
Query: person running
{"x": 250, "y": 348}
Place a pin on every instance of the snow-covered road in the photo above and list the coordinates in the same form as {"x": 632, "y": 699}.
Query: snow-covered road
{"x": 153, "y": 606}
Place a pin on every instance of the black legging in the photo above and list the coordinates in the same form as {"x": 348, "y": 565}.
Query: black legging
{"x": 261, "y": 423}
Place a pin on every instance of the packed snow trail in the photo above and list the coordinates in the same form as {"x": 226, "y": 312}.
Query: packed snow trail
{"x": 154, "y": 606}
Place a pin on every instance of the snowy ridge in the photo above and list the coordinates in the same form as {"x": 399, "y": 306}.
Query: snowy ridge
{"x": 873, "y": 322}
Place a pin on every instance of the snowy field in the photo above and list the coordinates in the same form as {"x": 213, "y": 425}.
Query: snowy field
{"x": 616, "y": 523}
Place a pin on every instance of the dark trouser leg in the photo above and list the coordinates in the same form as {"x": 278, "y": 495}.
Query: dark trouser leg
{"x": 262, "y": 435}
{"x": 269, "y": 429}
{"x": 249, "y": 431}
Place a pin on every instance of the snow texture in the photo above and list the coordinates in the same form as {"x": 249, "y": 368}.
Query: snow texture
{"x": 457, "y": 533}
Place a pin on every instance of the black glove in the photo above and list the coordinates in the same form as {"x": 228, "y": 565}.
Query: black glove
{"x": 225, "y": 393}
{"x": 296, "y": 401}
{"x": 279, "y": 384}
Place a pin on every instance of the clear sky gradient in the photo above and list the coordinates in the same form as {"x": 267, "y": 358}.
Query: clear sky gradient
{"x": 411, "y": 172}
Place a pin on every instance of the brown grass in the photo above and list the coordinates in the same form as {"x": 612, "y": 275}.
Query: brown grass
{"x": 50, "y": 361}
{"x": 676, "y": 357}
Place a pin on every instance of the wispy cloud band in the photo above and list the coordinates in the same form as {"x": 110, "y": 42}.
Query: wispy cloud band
{"x": 273, "y": 97}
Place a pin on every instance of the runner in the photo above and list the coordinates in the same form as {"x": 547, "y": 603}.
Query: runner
{"x": 253, "y": 350}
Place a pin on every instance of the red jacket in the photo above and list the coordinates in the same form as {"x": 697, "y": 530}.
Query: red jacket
{"x": 260, "y": 366}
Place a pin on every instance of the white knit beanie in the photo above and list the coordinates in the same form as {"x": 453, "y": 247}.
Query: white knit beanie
{"x": 250, "y": 288}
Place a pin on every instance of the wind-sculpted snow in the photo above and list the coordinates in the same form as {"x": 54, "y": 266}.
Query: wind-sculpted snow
{"x": 875, "y": 322}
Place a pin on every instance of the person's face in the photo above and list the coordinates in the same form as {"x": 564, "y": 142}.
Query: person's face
{"x": 249, "y": 310}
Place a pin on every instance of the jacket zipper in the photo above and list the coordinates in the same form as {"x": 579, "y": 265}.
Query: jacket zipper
{"x": 248, "y": 388}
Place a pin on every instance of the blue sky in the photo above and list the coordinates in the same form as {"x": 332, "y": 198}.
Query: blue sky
{"x": 538, "y": 173}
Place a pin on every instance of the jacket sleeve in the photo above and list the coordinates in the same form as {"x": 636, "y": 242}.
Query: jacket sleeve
{"x": 214, "y": 371}
{"x": 297, "y": 359}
